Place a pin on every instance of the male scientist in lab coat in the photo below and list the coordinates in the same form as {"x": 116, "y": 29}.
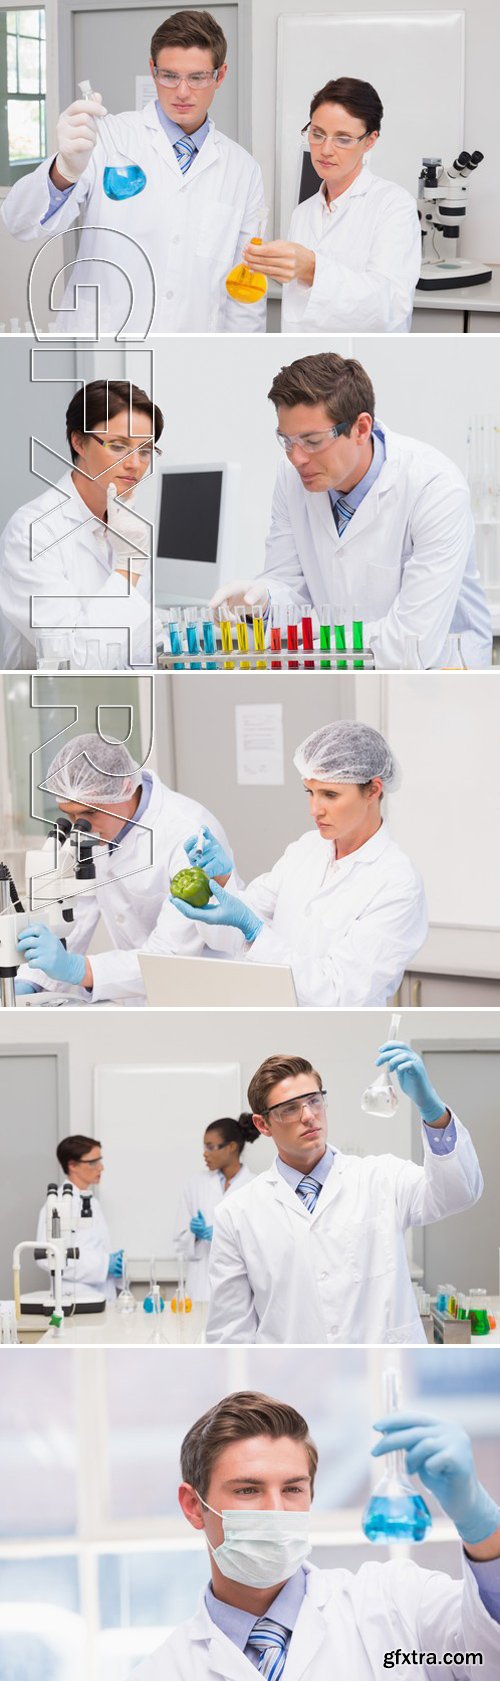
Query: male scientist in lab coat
{"x": 248, "y": 1472}
{"x": 313, "y": 1251}
{"x": 82, "y": 540}
{"x": 98, "y": 1266}
{"x": 376, "y": 525}
{"x": 192, "y": 215}
{"x": 142, "y": 826}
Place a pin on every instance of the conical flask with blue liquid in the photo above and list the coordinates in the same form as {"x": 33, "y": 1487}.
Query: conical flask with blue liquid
{"x": 122, "y": 178}
{"x": 395, "y": 1512}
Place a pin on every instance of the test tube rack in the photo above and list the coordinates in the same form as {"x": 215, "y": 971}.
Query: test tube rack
{"x": 243, "y": 646}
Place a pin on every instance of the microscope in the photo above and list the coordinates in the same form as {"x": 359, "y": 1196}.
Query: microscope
{"x": 64, "y": 1296}
{"x": 442, "y": 205}
{"x": 56, "y": 874}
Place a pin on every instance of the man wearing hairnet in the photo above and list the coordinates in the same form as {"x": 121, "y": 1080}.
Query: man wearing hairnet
{"x": 142, "y": 826}
{"x": 343, "y": 908}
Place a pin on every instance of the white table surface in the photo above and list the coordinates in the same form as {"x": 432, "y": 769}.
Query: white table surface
{"x": 485, "y": 297}
{"x": 112, "y": 1328}
{"x": 459, "y": 951}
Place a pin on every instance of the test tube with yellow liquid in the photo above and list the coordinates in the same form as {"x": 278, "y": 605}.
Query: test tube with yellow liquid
{"x": 242, "y": 636}
{"x": 243, "y": 286}
{"x": 226, "y": 632}
{"x": 259, "y": 641}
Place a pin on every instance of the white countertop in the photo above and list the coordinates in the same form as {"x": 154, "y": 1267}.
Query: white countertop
{"x": 113, "y": 1328}
{"x": 459, "y": 951}
{"x": 485, "y": 297}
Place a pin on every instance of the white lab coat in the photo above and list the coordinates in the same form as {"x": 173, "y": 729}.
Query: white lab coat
{"x": 192, "y": 229}
{"x": 346, "y": 1624}
{"x": 406, "y": 559}
{"x": 93, "y": 1240}
{"x": 53, "y": 549}
{"x": 203, "y": 1190}
{"x": 132, "y": 890}
{"x": 368, "y": 249}
{"x": 346, "y": 929}
{"x": 279, "y": 1274}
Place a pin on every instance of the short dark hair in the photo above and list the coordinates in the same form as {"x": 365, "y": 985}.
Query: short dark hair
{"x": 360, "y": 99}
{"x": 339, "y": 382}
{"x": 191, "y": 29}
{"x": 274, "y": 1069}
{"x": 99, "y": 401}
{"x": 239, "y": 1416}
{"x": 238, "y": 1132}
{"x": 74, "y": 1148}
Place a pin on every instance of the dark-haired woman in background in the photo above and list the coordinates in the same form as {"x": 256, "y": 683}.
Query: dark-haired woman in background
{"x": 352, "y": 258}
{"x": 223, "y": 1145}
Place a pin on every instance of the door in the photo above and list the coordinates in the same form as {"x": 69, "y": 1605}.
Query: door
{"x": 463, "y": 1250}
{"x": 34, "y": 1110}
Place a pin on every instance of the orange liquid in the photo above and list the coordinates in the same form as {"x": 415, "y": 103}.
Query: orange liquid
{"x": 243, "y": 286}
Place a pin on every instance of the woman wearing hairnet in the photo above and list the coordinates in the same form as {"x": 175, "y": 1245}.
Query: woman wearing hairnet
{"x": 343, "y": 908}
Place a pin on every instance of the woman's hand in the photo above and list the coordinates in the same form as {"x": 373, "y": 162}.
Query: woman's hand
{"x": 281, "y": 260}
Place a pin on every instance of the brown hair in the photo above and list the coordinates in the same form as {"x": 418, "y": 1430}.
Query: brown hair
{"x": 99, "y": 401}
{"x": 191, "y": 29}
{"x": 274, "y": 1069}
{"x": 340, "y": 383}
{"x": 74, "y": 1148}
{"x": 360, "y": 99}
{"x": 243, "y": 1414}
{"x": 240, "y": 1132}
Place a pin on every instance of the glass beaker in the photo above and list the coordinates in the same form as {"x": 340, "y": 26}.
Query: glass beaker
{"x": 395, "y": 1512}
{"x": 120, "y": 180}
{"x": 243, "y": 286}
{"x": 478, "y": 1313}
{"x": 381, "y": 1098}
{"x": 125, "y": 1301}
{"x": 53, "y": 650}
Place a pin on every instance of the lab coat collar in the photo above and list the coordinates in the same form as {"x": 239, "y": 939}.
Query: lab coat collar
{"x": 159, "y": 140}
{"x": 320, "y": 508}
{"x": 357, "y": 189}
{"x": 285, "y": 1193}
{"x": 224, "y": 1659}
{"x": 73, "y": 512}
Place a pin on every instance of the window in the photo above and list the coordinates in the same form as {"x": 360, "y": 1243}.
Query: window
{"x": 22, "y": 75}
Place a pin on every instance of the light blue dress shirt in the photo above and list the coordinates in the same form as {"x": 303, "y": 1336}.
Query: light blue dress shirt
{"x": 237, "y": 1625}
{"x": 355, "y": 496}
{"x": 320, "y": 1171}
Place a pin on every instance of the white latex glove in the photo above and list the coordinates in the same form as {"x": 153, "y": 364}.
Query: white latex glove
{"x": 77, "y": 135}
{"x": 253, "y": 598}
{"x": 128, "y": 535}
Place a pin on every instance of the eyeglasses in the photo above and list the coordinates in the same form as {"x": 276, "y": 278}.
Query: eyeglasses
{"x": 342, "y": 142}
{"x": 311, "y": 441}
{"x": 197, "y": 78}
{"x": 293, "y": 1110}
{"x": 125, "y": 446}
{"x": 209, "y": 1148}
{"x": 93, "y": 1161}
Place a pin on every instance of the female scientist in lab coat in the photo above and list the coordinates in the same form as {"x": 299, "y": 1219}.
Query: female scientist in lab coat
{"x": 343, "y": 908}
{"x": 267, "y": 1609}
{"x": 185, "y": 227}
{"x": 98, "y": 1266}
{"x": 223, "y": 1145}
{"x": 352, "y": 258}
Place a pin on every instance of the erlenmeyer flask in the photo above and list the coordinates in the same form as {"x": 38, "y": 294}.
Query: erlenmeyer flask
{"x": 453, "y": 659}
{"x": 125, "y": 1301}
{"x": 121, "y": 179}
{"x": 243, "y": 286}
{"x": 395, "y": 1512}
{"x": 381, "y": 1098}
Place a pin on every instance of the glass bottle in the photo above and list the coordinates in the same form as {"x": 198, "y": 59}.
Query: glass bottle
{"x": 395, "y": 1512}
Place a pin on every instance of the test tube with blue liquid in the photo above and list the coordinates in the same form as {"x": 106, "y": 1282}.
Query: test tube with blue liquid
{"x": 193, "y": 637}
{"x": 209, "y": 637}
{"x": 121, "y": 179}
{"x": 175, "y": 638}
{"x": 395, "y": 1511}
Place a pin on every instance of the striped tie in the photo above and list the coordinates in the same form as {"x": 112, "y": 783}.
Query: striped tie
{"x": 342, "y": 513}
{"x": 308, "y": 1190}
{"x": 270, "y": 1641}
{"x": 184, "y": 151}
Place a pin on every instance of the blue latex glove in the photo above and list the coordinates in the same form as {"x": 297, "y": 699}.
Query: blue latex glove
{"x": 23, "y": 986}
{"x": 441, "y": 1455}
{"x": 115, "y": 1269}
{"x": 413, "y": 1078}
{"x": 212, "y": 859}
{"x": 228, "y": 912}
{"x": 199, "y": 1228}
{"x": 44, "y": 951}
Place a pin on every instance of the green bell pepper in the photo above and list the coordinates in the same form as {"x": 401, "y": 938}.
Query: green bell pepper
{"x": 193, "y": 886}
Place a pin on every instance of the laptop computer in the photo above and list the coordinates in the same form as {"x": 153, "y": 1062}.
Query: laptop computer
{"x": 205, "y": 982}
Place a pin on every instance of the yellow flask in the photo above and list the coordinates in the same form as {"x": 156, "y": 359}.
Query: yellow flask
{"x": 243, "y": 286}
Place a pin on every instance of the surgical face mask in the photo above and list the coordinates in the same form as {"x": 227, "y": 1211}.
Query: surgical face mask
{"x": 259, "y": 1548}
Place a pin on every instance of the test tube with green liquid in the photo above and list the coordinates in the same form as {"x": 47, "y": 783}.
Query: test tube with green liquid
{"x": 357, "y": 637}
{"x": 325, "y": 635}
{"x": 242, "y": 636}
{"x": 340, "y": 641}
{"x": 259, "y": 642}
{"x": 226, "y": 635}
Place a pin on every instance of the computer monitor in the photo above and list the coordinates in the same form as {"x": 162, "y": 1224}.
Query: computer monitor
{"x": 198, "y": 530}
{"x": 310, "y": 182}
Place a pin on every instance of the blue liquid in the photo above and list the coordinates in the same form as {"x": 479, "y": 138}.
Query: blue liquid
{"x": 193, "y": 642}
{"x": 176, "y": 644}
{"x": 209, "y": 643}
{"x": 123, "y": 182}
{"x": 400, "y": 1518}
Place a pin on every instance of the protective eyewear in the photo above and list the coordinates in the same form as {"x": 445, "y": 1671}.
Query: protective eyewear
{"x": 341, "y": 142}
{"x": 210, "y": 1148}
{"x": 293, "y": 1110}
{"x": 311, "y": 441}
{"x": 93, "y": 1161}
{"x": 118, "y": 447}
{"x": 196, "y": 79}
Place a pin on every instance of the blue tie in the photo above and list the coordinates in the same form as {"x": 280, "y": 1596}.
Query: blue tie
{"x": 342, "y": 513}
{"x": 184, "y": 151}
{"x": 308, "y": 1190}
{"x": 270, "y": 1641}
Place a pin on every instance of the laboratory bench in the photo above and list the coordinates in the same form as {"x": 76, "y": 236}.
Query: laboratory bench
{"x": 461, "y": 309}
{"x": 455, "y": 966}
{"x": 119, "y": 1329}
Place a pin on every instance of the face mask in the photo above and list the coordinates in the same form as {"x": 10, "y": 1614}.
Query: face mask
{"x": 261, "y": 1548}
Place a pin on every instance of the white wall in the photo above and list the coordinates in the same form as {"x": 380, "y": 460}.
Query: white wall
{"x": 482, "y": 48}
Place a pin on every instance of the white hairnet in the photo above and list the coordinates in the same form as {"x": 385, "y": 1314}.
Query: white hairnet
{"x": 88, "y": 769}
{"x": 347, "y": 752}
